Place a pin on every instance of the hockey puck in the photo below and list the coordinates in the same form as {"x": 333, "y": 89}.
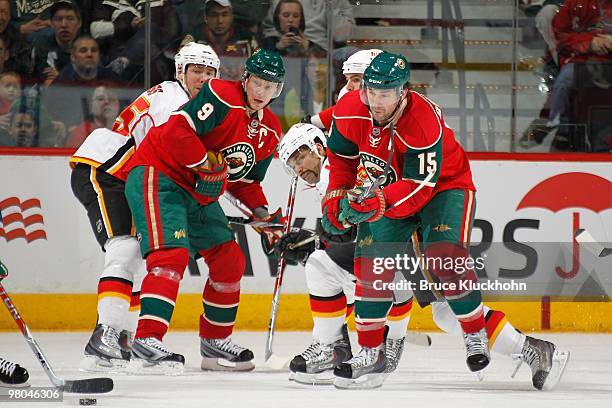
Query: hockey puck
{"x": 88, "y": 401}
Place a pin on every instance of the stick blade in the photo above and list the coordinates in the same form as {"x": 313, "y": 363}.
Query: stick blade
{"x": 277, "y": 363}
{"x": 584, "y": 238}
{"x": 89, "y": 386}
{"x": 419, "y": 339}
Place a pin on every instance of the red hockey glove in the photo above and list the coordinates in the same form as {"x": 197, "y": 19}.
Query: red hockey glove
{"x": 211, "y": 178}
{"x": 370, "y": 209}
{"x": 331, "y": 212}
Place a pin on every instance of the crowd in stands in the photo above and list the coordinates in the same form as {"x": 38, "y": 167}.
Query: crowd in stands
{"x": 68, "y": 66}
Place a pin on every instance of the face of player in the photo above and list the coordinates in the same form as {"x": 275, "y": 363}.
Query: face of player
{"x": 104, "y": 105}
{"x": 259, "y": 92}
{"x": 219, "y": 19}
{"x": 86, "y": 54}
{"x": 306, "y": 164}
{"x": 196, "y": 76}
{"x": 10, "y": 87}
{"x": 353, "y": 81}
{"x": 66, "y": 25}
{"x": 383, "y": 103}
{"x": 23, "y": 129}
{"x": 289, "y": 15}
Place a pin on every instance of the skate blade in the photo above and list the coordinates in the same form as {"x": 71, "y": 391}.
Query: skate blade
{"x": 138, "y": 366}
{"x": 220, "y": 364}
{"x": 560, "y": 359}
{"x": 94, "y": 364}
{"x": 22, "y": 385}
{"x": 324, "y": 378}
{"x": 367, "y": 381}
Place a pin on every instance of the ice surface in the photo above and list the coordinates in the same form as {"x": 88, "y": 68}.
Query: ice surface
{"x": 433, "y": 377}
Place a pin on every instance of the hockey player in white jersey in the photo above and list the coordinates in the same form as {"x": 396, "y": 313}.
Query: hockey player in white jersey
{"x": 97, "y": 184}
{"x": 327, "y": 266}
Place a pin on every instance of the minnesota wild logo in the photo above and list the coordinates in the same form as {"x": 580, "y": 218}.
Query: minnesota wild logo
{"x": 374, "y": 167}
{"x": 240, "y": 158}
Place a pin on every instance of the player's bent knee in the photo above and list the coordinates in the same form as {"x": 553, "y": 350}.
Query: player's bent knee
{"x": 122, "y": 258}
{"x": 173, "y": 259}
{"x": 226, "y": 262}
{"x": 448, "y": 261}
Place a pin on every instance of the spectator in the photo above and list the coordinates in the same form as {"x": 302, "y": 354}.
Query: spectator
{"x": 16, "y": 49}
{"x": 85, "y": 64}
{"x": 232, "y": 44}
{"x": 32, "y": 17}
{"x": 315, "y": 13}
{"x": 10, "y": 91}
{"x": 316, "y": 73}
{"x": 76, "y": 83}
{"x": 103, "y": 109}
{"x": 289, "y": 22}
{"x": 22, "y": 131}
{"x": 52, "y": 53}
{"x": 583, "y": 32}
{"x": 119, "y": 27}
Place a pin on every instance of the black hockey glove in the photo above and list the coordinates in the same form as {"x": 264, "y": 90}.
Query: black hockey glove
{"x": 299, "y": 254}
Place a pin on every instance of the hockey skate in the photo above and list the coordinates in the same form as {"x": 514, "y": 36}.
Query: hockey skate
{"x": 315, "y": 365}
{"x": 103, "y": 352}
{"x": 547, "y": 363}
{"x": 150, "y": 356}
{"x": 394, "y": 349}
{"x": 13, "y": 375}
{"x": 225, "y": 355}
{"x": 365, "y": 370}
{"x": 477, "y": 349}
{"x": 126, "y": 338}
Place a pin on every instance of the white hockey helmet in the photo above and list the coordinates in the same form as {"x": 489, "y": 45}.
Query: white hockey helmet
{"x": 300, "y": 134}
{"x": 359, "y": 61}
{"x": 195, "y": 53}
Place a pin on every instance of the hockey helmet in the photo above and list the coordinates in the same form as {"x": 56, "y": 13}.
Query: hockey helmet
{"x": 195, "y": 53}
{"x": 299, "y": 135}
{"x": 359, "y": 61}
{"x": 267, "y": 65}
{"x": 387, "y": 71}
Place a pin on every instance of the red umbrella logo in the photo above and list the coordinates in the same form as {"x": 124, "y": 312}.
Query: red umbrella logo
{"x": 570, "y": 190}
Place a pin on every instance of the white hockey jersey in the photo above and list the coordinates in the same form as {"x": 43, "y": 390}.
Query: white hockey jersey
{"x": 108, "y": 150}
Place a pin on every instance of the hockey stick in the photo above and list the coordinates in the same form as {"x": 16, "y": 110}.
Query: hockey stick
{"x": 589, "y": 243}
{"x": 254, "y": 224}
{"x": 86, "y": 386}
{"x": 272, "y": 361}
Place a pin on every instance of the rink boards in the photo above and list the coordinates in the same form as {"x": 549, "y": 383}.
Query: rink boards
{"x": 525, "y": 206}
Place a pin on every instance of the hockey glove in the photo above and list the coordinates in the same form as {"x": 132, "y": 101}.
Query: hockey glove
{"x": 299, "y": 254}
{"x": 270, "y": 235}
{"x": 212, "y": 181}
{"x": 3, "y": 271}
{"x": 370, "y": 209}
{"x": 331, "y": 212}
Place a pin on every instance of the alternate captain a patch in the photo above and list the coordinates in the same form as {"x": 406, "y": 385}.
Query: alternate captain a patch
{"x": 375, "y": 167}
{"x": 240, "y": 158}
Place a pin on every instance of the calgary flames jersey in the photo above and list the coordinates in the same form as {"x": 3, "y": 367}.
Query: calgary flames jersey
{"x": 108, "y": 150}
{"x": 216, "y": 119}
{"x": 426, "y": 157}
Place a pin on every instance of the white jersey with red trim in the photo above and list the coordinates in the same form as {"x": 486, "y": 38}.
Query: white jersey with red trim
{"x": 108, "y": 150}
